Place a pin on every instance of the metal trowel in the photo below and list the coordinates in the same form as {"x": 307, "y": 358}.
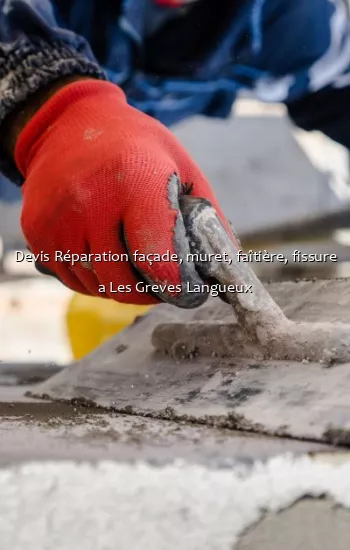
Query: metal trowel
{"x": 277, "y": 363}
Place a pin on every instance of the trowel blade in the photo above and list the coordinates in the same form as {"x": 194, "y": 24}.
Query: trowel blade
{"x": 301, "y": 400}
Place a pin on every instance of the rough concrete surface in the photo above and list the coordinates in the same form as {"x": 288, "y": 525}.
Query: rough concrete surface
{"x": 32, "y": 429}
{"x": 202, "y": 379}
{"x": 65, "y": 505}
{"x": 75, "y": 477}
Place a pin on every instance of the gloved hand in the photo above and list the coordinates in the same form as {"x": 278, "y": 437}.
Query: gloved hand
{"x": 102, "y": 177}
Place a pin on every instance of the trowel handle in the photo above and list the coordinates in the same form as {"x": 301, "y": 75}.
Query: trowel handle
{"x": 253, "y": 305}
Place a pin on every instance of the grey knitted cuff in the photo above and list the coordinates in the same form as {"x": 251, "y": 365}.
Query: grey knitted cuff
{"x": 29, "y": 68}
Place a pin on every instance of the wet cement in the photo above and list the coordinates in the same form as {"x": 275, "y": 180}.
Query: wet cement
{"x": 196, "y": 375}
{"x": 32, "y": 429}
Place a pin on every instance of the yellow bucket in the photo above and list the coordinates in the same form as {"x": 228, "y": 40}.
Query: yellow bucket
{"x": 91, "y": 321}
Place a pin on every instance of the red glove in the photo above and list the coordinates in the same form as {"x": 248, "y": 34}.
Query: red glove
{"x": 102, "y": 177}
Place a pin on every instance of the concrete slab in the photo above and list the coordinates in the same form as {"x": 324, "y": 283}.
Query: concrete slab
{"x": 65, "y": 505}
{"x": 73, "y": 475}
{"x": 191, "y": 378}
{"x": 33, "y": 429}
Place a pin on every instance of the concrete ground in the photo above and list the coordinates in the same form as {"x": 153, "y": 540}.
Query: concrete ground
{"x": 73, "y": 477}
{"x": 33, "y": 429}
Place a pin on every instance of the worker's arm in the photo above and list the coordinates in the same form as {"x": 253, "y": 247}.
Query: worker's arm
{"x": 326, "y": 105}
{"x": 100, "y": 179}
{"x": 327, "y": 111}
{"x": 303, "y": 60}
{"x": 34, "y": 53}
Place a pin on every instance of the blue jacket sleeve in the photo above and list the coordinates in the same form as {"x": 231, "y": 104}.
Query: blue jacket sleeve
{"x": 35, "y": 51}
